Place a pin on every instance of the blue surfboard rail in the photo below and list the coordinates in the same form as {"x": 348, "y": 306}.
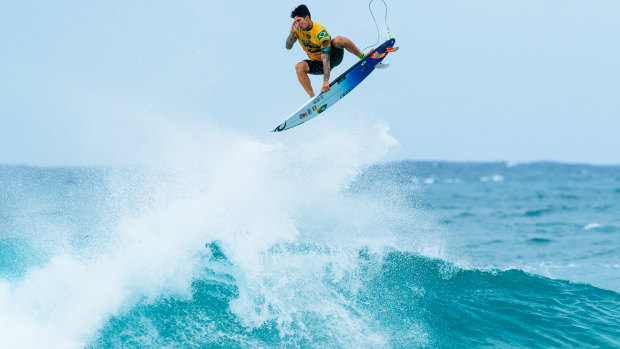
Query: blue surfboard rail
{"x": 360, "y": 70}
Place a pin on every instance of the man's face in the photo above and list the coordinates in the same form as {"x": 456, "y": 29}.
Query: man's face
{"x": 303, "y": 22}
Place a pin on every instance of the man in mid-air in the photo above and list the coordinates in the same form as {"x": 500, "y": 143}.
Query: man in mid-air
{"x": 323, "y": 51}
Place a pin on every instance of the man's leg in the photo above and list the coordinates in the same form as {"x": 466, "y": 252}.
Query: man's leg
{"x": 342, "y": 42}
{"x": 302, "y": 70}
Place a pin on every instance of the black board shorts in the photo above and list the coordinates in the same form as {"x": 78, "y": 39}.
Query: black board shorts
{"x": 335, "y": 58}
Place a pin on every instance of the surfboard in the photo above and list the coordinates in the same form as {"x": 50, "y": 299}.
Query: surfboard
{"x": 339, "y": 88}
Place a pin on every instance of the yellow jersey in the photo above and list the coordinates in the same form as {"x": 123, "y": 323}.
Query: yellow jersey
{"x": 313, "y": 40}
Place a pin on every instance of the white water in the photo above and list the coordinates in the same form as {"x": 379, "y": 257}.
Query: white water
{"x": 249, "y": 195}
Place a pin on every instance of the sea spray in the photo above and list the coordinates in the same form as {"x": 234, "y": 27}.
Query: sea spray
{"x": 247, "y": 198}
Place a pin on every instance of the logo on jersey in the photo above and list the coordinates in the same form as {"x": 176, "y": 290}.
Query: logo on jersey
{"x": 323, "y": 34}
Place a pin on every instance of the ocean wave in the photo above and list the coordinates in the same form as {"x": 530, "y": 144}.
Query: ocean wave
{"x": 389, "y": 299}
{"x": 237, "y": 242}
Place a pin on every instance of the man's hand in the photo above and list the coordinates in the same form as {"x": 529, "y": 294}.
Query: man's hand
{"x": 294, "y": 27}
{"x": 325, "y": 86}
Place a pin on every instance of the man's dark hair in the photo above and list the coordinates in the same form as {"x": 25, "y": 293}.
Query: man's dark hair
{"x": 301, "y": 11}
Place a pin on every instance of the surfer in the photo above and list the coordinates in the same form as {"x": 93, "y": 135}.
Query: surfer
{"x": 323, "y": 51}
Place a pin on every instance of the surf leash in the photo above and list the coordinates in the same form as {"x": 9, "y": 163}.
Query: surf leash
{"x": 377, "y": 25}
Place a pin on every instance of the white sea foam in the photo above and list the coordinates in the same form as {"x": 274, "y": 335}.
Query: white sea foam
{"x": 494, "y": 178}
{"x": 592, "y": 226}
{"x": 247, "y": 194}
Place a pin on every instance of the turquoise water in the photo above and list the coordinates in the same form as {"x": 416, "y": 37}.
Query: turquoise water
{"x": 236, "y": 254}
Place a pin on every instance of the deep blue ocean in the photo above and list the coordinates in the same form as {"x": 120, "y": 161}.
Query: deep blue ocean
{"x": 252, "y": 251}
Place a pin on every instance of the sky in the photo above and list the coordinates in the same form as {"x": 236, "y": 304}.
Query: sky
{"x": 82, "y": 82}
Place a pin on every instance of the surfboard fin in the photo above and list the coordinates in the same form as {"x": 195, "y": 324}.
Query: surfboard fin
{"x": 382, "y": 66}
